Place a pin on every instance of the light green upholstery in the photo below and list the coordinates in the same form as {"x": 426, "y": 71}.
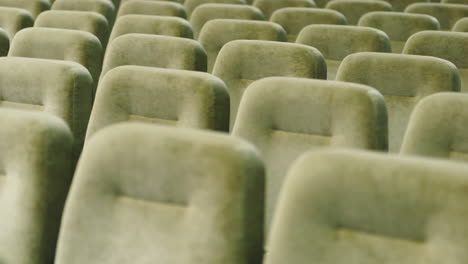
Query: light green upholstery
{"x": 241, "y": 62}
{"x": 437, "y": 127}
{"x": 35, "y": 174}
{"x": 270, "y": 6}
{"x": 103, "y": 7}
{"x": 152, "y": 8}
{"x": 207, "y": 12}
{"x": 461, "y": 25}
{"x": 447, "y": 14}
{"x": 216, "y": 33}
{"x": 354, "y": 9}
{"x": 34, "y": 7}
{"x": 162, "y": 96}
{"x": 399, "y": 26}
{"x": 13, "y": 20}
{"x": 155, "y": 51}
{"x": 400, "y": 5}
{"x": 285, "y": 117}
{"x": 336, "y": 42}
{"x": 147, "y": 193}
{"x": 191, "y": 5}
{"x": 176, "y": 1}
{"x": 355, "y": 207}
{"x": 403, "y": 80}
{"x": 446, "y": 45}
{"x": 154, "y": 25}
{"x": 60, "y": 44}
{"x": 294, "y": 19}
{"x": 91, "y": 22}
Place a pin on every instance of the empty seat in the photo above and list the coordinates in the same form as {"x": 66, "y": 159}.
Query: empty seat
{"x": 285, "y": 117}
{"x": 146, "y": 192}
{"x": 152, "y": 8}
{"x": 13, "y": 20}
{"x": 399, "y": 26}
{"x": 403, "y": 80}
{"x": 437, "y": 127}
{"x": 446, "y": 45}
{"x": 447, "y": 14}
{"x": 218, "y": 32}
{"x": 336, "y": 42}
{"x": 241, "y": 62}
{"x": 35, "y": 175}
{"x": 162, "y": 96}
{"x": 294, "y": 19}
{"x": 34, "y": 7}
{"x": 155, "y": 51}
{"x": 155, "y": 25}
{"x": 91, "y": 22}
{"x": 344, "y": 206}
{"x": 461, "y": 25}
{"x": 191, "y": 5}
{"x": 60, "y": 44}
{"x": 60, "y": 88}
{"x": 207, "y": 12}
{"x": 268, "y": 7}
{"x": 103, "y": 7}
{"x": 354, "y": 9}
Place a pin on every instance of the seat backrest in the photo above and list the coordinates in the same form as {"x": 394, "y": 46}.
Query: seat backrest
{"x": 34, "y": 7}
{"x": 400, "y": 5}
{"x": 342, "y": 206}
{"x": 403, "y": 80}
{"x": 13, "y": 20}
{"x": 354, "y": 9}
{"x": 285, "y": 117}
{"x": 146, "y": 192}
{"x": 256, "y": 59}
{"x": 399, "y": 26}
{"x": 294, "y": 19}
{"x": 445, "y": 45}
{"x": 35, "y": 175}
{"x": 154, "y": 51}
{"x": 268, "y": 7}
{"x": 437, "y": 127}
{"x": 216, "y": 33}
{"x": 447, "y": 14}
{"x": 461, "y": 25}
{"x": 207, "y": 12}
{"x": 152, "y": 8}
{"x": 103, "y": 7}
{"x": 191, "y": 5}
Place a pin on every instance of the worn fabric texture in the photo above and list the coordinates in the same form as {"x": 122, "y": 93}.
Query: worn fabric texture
{"x": 103, "y": 7}
{"x": 294, "y": 19}
{"x": 447, "y": 14}
{"x": 354, "y": 9}
{"x": 270, "y": 6}
{"x": 191, "y": 5}
{"x": 147, "y": 193}
{"x": 152, "y": 8}
{"x": 14, "y": 19}
{"x": 403, "y": 80}
{"x": 285, "y": 117}
{"x": 461, "y": 25}
{"x": 216, "y": 33}
{"x": 34, "y": 7}
{"x": 35, "y": 174}
{"x": 241, "y": 62}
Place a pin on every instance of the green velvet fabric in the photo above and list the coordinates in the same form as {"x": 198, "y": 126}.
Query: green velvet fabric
{"x": 103, "y": 7}
{"x": 191, "y": 5}
{"x": 216, "y": 33}
{"x": 446, "y": 45}
{"x": 363, "y": 208}
{"x": 354, "y": 9}
{"x": 154, "y": 25}
{"x": 270, "y": 6}
{"x": 35, "y": 174}
{"x": 162, "y": 96}
{"x": 437, "y": 127}
{"x": 403, "y": 80}
{"x": 147, "y": 193}
{"x": 91, "y": 22}
{"x": 152, "y": 8}
{"x": 447, "y": 14}
{"x": 241, "y": 62}
{"x": 285, "y": 117}
{"x": 294, "y": 19}
{"x": 34, "y": 7}
{"x": 60, "y": 44}
{"x": 399, "y": 26}
{"x": 13, "y": 20}
{"x": 461, "y": 25}
{"x": 207, "y": 12}
{"x": 155, "y": 51}
{"x": 336, "y": 42}
{"x": 60, "y": 88}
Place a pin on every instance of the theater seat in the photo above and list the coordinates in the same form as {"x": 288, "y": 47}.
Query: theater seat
{"x": 353, "y": 10}
{"x": 241, "y": 62}
{"x": 152, "y": 8}
{"x": 34, "y": 7}
{"x": 35, "y": 174}
{"x": 461, "y": 25}
{"x": 161, "y": 96}
{"x": 285, "y": 117}
{"x": 103, "y": 7}
{"x": 191, "y": 5}
{"x": 13, "y": 20}
{"x": 403, "y": 80}
{"x": 147, "y": 193}
{"x": 356, "y": 207}
{"x": 268, "y": 7}
{"x": 447, "y": 14}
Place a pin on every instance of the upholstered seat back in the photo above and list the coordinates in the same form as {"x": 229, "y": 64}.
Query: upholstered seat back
{"x": 103, "y": 7}
{"x": 34, "y": 7}
{"x": 446, "y": 14}
{"x": 353, "y": 10}
{"x": 268, "y": 7}
{"x": 152, "y": 8}
{"x": 191, "y": 5}
{"x": 14, "y": 19}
